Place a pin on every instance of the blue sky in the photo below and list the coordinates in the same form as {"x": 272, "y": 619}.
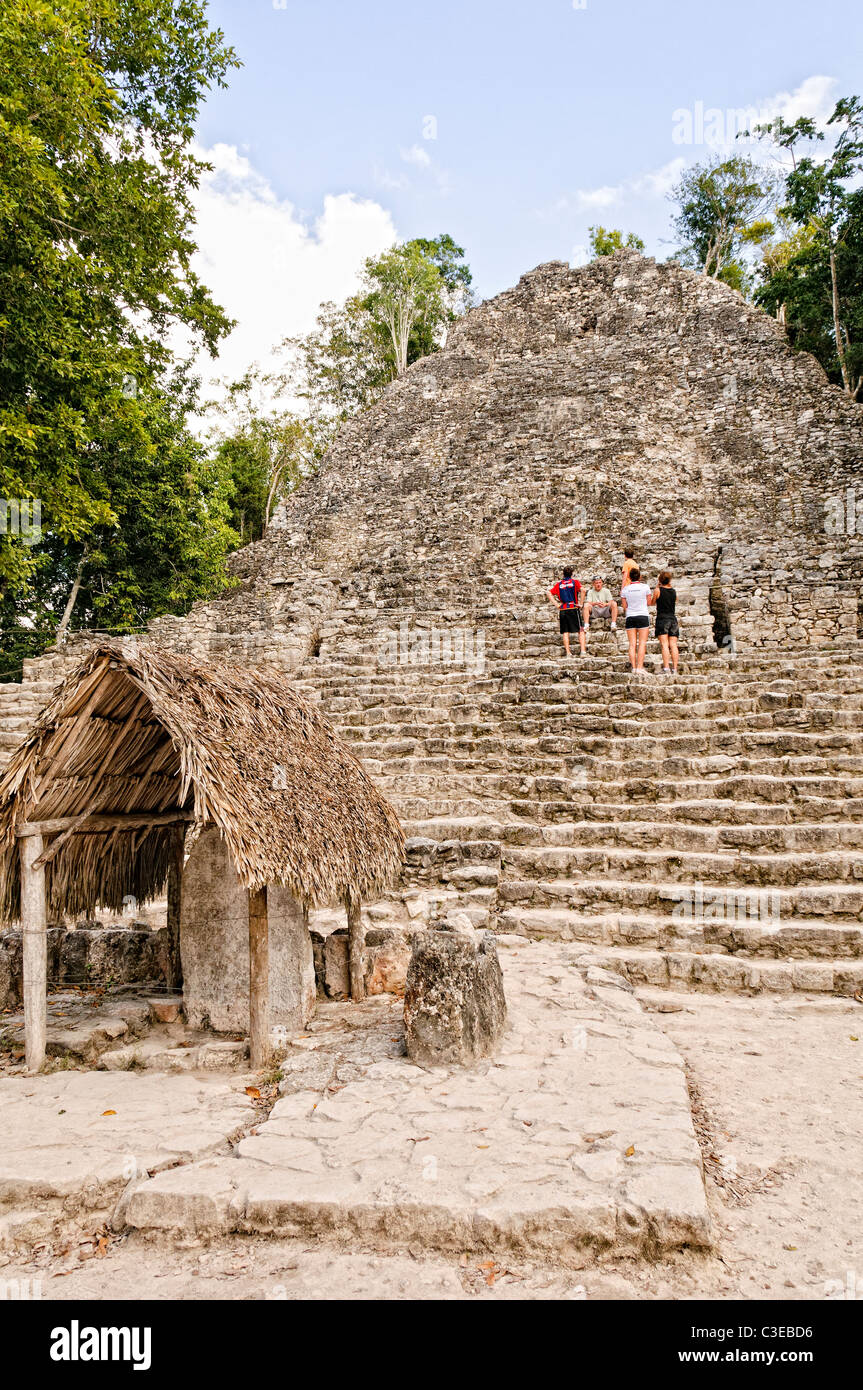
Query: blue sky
{"x": 546, "y": 117}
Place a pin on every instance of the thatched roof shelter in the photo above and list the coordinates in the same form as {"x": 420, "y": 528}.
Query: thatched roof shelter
{"x": 138, "y": 740}
{"x": 143, "y": 733}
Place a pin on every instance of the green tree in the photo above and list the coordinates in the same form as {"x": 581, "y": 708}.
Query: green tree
{"x": 163, "y": 546}
{"x": 606, "y": 241}
{"x": 813, "y": 278}
{"x": 458, "y": 297}
{"x": 403, "y": 297}
{"x": 263, "y": 450}
{"x": 409, "y": 297}
{"x": 719, "y": 204}
{"x": 98, "y": 101}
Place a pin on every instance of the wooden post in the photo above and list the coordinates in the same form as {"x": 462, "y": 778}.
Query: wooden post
{"x": 355, "y": 947}
{"x": 34, "y": 941}
{"x": 259, "y": 979}
{"x": 175, "y": 901}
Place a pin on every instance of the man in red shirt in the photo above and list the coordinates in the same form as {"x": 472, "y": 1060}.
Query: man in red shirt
{"x": 565, "y": 594}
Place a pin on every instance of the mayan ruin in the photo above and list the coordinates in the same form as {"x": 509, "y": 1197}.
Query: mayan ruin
{"x": 431, "y": 865}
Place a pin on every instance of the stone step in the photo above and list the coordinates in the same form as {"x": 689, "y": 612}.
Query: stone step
{"x": 801, "y": 836}
{"x": 831, "y": 901}
{"x": 414, "y": 809}
{"x": 744, "y": 937}
{"x": 720, "y": 973}
{"x": 542, "y": 776}
{"x": 748, "y": 788}
{"x": 428, "y": 724}
{"x": 733, "y": 868}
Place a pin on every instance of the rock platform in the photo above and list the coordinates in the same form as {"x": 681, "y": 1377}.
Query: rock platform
{"x": 574, "y": 1141}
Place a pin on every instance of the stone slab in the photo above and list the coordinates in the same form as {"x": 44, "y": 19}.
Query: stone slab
{"x": 214, "y": 946}
{"x": 71, "y": 1141}
{"x": 575, "y": 1140}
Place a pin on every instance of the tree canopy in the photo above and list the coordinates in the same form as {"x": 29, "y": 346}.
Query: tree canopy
{"x": 605, "y": 241}
{"x": 811, "y": 275}
{"x": 98, "y": 100}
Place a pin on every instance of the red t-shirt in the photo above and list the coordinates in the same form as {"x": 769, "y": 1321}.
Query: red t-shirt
{"x": 575, "y": 592}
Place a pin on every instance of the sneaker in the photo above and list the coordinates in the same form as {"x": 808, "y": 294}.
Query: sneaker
{"x": 666, "y": 670}
{"x": 587, "y": 628}
{"x": 613, "y": 627}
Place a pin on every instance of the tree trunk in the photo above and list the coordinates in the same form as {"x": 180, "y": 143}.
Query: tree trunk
{"x": 837, "y": 327}
{"x": 259, "y": 979}
{"x": 34, "y": 950}
{"x": 70, "y": 602}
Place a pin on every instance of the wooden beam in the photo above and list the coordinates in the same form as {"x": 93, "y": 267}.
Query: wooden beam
{"x": 35, "y": 952}
{"x": 175, "y": 902}
{"x": 59, "y": 841}
{"x": 96, "y": 825}
{"x": 259, "y": 979}
{"x": 356, "y": 942}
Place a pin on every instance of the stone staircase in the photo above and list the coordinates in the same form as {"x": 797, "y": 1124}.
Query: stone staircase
{"x": 703, "y": 831}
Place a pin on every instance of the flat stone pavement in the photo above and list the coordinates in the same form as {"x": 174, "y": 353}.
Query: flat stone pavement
{"x": 576, "y": 1140}
{"x": 71, "y": 1141}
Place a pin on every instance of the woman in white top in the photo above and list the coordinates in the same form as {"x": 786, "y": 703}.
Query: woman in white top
{"x": 635, "y": 597}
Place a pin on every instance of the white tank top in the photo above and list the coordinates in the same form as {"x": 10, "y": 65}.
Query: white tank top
{"x": 636, "y": 596}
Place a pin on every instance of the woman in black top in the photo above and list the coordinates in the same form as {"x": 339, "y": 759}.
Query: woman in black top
{"x": 667, "y": 627}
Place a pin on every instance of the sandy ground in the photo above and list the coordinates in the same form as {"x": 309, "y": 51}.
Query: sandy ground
{"x": 776, "y": 1088}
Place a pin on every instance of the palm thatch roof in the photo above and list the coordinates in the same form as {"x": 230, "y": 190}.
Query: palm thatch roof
{"x": 138, "y": 732}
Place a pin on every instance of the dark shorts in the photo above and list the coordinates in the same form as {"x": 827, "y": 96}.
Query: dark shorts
{"x": 571, "y": 620}
{"x": 667, "y": 625}
{"x": 638, "y": 622}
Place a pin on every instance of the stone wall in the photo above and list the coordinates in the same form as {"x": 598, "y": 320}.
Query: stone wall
{"x": 88, "y": 955}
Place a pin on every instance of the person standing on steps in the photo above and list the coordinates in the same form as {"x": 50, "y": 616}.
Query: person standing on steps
{"x": 667, "y": 626}
{"x": 628, "y": 566}
{"x": 565, "y": 595}
{"x": 635, "y": 597}
{"x": 598, "y": 603}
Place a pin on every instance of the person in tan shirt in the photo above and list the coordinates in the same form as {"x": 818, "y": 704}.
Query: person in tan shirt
{"x": 628, "y": 566}
{"x": 599, "y": 602}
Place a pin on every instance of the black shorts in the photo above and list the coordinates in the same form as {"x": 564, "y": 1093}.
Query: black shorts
{"x": 667, "y": 625}
{"x": 638, "y": 622}
{"x": 571, "y": 620}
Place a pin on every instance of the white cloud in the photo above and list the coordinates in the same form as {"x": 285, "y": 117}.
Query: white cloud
{"x": 658, "y": 182}
{"x": 604, "y": 197}
{"x": 655, "y": 183}
{"x": 416, "y": 155}
{"x": 269, "y": 267}
{"x": 816, "y": 97}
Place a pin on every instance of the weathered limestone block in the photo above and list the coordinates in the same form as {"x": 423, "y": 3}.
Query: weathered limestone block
{"x": 214, "y": 946}
{"x": 455, "y": 1010}
{"x": 388, "y": 956}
